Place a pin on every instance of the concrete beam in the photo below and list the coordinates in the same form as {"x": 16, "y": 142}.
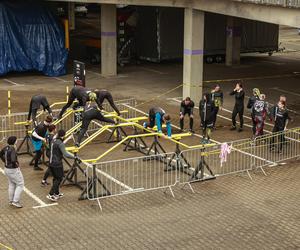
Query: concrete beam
{"x": 264, "y": 13}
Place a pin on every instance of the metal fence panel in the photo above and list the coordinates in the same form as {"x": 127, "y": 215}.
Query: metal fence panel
{"x": 113, "y": 178}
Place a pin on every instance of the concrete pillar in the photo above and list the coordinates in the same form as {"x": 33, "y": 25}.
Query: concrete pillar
{"x": 193, "y": 54}
{"x": 233, "y": 41}
{"x": 108, "y": 40}
{"x": 71, "y": 15}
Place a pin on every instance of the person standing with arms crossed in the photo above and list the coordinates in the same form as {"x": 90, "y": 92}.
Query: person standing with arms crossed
{"x": 238, "y": 109}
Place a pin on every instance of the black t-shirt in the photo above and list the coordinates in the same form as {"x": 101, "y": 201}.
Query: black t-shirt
{"x": 187, "y": 108}
{"x": 41, "y": 130}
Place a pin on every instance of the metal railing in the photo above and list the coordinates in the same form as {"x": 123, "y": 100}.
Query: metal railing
{"x": 164, "y": 171}
{"x": 281, "y": 3}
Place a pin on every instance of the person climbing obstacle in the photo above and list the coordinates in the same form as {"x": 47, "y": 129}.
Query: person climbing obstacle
{"x": 35, "y": 104}
{"x": 91, "y": 112}
{"x": 81, "y": 94}
{"x": 157, "y": 116}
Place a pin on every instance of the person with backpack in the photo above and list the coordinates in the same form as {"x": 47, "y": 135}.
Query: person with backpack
{"x": 251, "y": 101}
{"x": 260, "y": 112}
{"x": 12, "y": 171}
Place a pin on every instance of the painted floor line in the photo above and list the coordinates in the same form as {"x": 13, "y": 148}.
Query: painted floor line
{"x": 12, "y": 82}
{"x": 153, "y": 70}
{"x": 285, "y": 91}
{"x": 32, "y": 195}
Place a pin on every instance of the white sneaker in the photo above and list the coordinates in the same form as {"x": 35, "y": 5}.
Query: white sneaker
{"x": 17, "y": 204}
{"x": 60, "y": 195}
{"x": 52, "y": 197}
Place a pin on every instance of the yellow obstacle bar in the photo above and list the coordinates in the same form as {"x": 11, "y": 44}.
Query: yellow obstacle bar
{"x": 118, "y": 144}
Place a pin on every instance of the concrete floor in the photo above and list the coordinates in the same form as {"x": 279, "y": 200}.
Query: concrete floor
{"x": 229, "y": 213}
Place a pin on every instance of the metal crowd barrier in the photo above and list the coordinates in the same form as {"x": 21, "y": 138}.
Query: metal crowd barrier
{"x": 10, "y": 124}
{"x": 164, "y": 171}
{"x": 115, "y": 178}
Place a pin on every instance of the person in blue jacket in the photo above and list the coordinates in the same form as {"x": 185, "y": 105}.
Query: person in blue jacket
{"x": 157, "y": 116}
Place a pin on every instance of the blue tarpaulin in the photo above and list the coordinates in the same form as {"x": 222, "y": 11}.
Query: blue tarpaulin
{"x": 31, "y": 39}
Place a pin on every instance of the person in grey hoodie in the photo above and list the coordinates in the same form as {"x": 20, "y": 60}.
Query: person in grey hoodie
{"x": 57, "y": 152}
{"x": 12, "y": 171}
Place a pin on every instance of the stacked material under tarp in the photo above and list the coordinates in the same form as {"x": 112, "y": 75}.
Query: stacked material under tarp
{"x": 30, "y": 39}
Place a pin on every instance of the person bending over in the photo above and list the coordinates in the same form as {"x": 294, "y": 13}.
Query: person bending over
{"x": 187, "y": 107}
{"x": 238, "y": 109}
{"x": 81, "y": 94}
{"x": 36, "y": 102}
{"x": 91, "y": 112}
{"x": 105, "y": 94}
{"x": 157, "y": 116}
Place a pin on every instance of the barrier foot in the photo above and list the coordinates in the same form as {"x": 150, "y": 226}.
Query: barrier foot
{"x": 190, "y": 186}
{"x": 261, "y": 168}
{"x": 249, "y": 175}
{"x": 171, "y": 191}
{"x": 99, "y": 204}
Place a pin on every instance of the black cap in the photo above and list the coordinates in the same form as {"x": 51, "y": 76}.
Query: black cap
{"x": 11, "y": 140}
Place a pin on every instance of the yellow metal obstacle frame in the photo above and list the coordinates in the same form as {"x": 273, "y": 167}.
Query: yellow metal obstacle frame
{"x": 131, "y": 122}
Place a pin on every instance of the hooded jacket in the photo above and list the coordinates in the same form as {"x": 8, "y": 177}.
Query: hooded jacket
{"x": 206, "y": 109}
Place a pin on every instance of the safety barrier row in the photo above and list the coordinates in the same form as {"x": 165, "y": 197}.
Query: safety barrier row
{"x": 164, "y": 171}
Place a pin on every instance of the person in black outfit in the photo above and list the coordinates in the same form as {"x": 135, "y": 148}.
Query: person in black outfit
{"x": 49, "y": 139}
{"x": 81, "y": 94}
{"x": 91, "y": 112}
{"x": 57, "y": 152}
{"x": 206, "y": 112}
{"x": 251, "y": 101}
{"x": 187, "y": 107}
{"x": 105, "y": 94}
{"x": 38, "y": 138}
{"x": 35, "y": 104}
{"x": 238, "y": 109}
{"x": 280, "y": 116}
{"x": 217, "y": 97}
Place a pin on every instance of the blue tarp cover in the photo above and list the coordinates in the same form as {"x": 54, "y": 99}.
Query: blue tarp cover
{"x": 31, "y": 39}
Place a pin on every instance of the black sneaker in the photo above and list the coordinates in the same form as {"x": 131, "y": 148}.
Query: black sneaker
{"x": 60, "y": 195}
{"x": 233, "y": 128}
{"x": 191, "y": 131}
{"x": 240, "y": 130}
{"x": 37, "y": 169}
